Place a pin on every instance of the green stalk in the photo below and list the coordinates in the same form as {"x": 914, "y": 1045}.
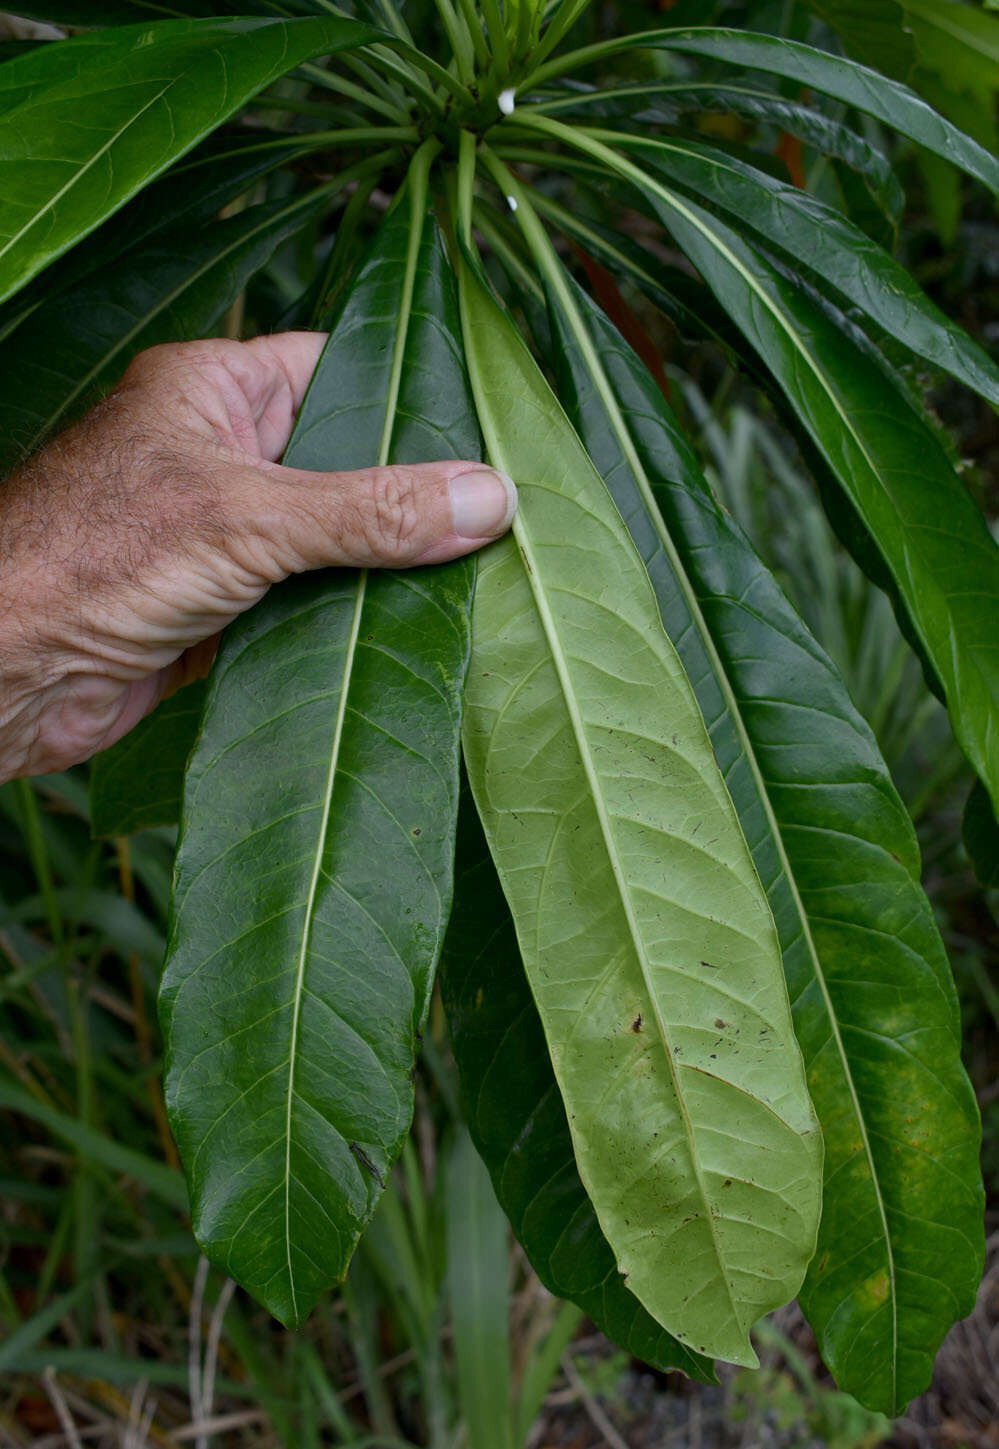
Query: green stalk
{"x": 436, "y": 72}
{"x": 466, "y": 186}
{"x": 525, "y": 20}
{"x": 86, "y": 1224}
{"x": 654, "y": 88}
{"x": 406, "y": 63}
{"x": 34, "y": 835}
{"x": 345, "y": 87}
{"x": 392, "y": 16}
{"x": 496, "y": 31}
{"x": 461, "y": 41}
{"x": 563, "y": 20}
{"x": 578, "y": 58}
{"x": 345, "y": 233}
{"x": 534, "y": 234}
{"x": 395, "y": 21}
{"x": 360, "y": 136}
{"x": 390, "y": 92}
{"x": 512, "y": 263}
{"x": 474, "y": 27}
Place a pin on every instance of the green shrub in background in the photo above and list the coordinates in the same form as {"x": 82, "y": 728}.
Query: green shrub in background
{"x": 677, "y": 823}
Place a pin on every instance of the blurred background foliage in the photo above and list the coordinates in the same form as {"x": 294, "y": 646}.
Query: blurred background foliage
{"x": 114, "y": 1330}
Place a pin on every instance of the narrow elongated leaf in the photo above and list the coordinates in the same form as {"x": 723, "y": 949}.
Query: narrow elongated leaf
{"x": 517, "y": 1118}
{"x": 185, "y": 198}
{"x": 876, "y": 34}
{"x": 645, "y": 933}
{"x": 478, "y": 1264}
{"x": 980, "y": 834}
{"x": 832, "y": 75}
{"x": 901, "y": 1241}
{"x": 932, "y": 538}
{"x": 828, "y": 245}
{"x": 743, "y": 97}
{"x": 139, "y": 781}
{"x": 86, "y": 123}
{"x": 92, "y": 13}
{"x": 314, "y": 870}
{"x": 72, "y": 347}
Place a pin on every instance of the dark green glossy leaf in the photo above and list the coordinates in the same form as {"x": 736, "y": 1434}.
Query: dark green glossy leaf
{"x": 516, "y": 1116}
{"x": 900, "y": 1244}
{"x": 828, "y": 245}
{"x": 889, "y": 463}
{"x": 94, "y": 13}
{"x": 981, "y": 836}
{"x": 314, "y": 870}
{"x": 75, "y": 345}
{"x": 138, "y": 782}
{"x": 184, "y": 199}
{"x": 832, "y": 75}
{"x": 875, "y": 33}
{"x": 640, "y": 918}
{"x": 744, "y": 97}
{"x": 86, "y": 123}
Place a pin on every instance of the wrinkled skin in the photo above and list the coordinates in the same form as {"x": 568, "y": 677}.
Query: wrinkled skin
{"x": 129, "y": 542}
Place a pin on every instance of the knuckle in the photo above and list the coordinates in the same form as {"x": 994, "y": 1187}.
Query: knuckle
{"x": 153, "y": 361}
{"x": 393, "y": 518}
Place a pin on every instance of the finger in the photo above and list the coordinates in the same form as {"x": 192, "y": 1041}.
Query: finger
{"x": 246, "y": 394}
{"x": 274, "y": 373}
{"x": 394, "y": 517}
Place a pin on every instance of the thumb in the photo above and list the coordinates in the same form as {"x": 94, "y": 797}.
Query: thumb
{"x": 392, "y": 517}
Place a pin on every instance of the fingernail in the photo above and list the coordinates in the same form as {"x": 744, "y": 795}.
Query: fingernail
{"x": 483, "y": 503}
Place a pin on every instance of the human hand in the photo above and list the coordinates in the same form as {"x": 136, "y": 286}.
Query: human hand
{"x": 130, "y": 541}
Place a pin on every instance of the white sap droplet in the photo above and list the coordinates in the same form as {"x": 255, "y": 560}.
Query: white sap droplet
{"x": 506, "y": 100}
{"x": 511, "y": 202}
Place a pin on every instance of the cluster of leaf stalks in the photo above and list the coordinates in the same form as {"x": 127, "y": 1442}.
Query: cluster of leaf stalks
{"x": 628, "y": 675}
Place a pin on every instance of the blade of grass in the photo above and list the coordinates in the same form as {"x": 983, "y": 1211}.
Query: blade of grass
{"x": 478, "y": 1257}
{"x": 94, "y": 1146}
{"x": 544, "y": 1366}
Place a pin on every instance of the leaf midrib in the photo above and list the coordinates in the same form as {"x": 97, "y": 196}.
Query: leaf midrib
{"x": 533, "y": 576}
{"x": 624, "y": 438}
{"x": 543, "y": 607}
{"x": 417, "y": 222}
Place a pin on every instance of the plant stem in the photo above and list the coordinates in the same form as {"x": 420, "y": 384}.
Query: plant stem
{"x": 436, "y": 72}
{"x": 489, "y": 227}
{"x": 345, "y": 233}
{"x": 34, "y": 835}
{"x": 578, "y": 58}
{"x": 497, "y": 35}
{"x": 406, "y": 63}
{"x": 461, "y": 41}
{"x": 345, "y": 87}
{"x": 395, "y": 21}
{"x": 562, "y": 22}
{"x": 143, "y": 1032}
{"x": 466, "y": 186}
{"x": 474, "y": 28}
{"x": 390, "y": 92}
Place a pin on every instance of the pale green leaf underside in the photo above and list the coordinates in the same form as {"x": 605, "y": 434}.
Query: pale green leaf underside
{"x": 645, "y": 933}
{"x": 899, "y": 1251}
